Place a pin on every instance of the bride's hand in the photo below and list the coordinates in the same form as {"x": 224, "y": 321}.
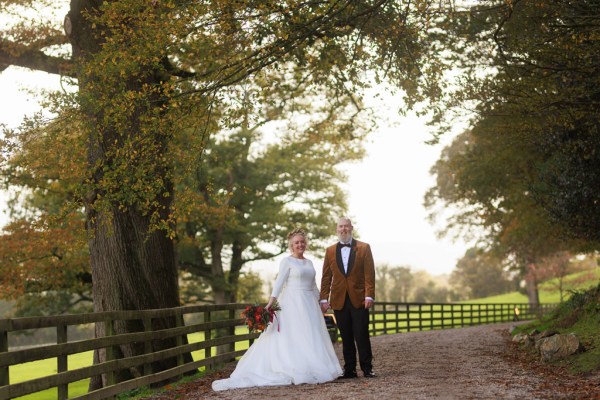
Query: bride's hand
{"x": 270, "y": 303}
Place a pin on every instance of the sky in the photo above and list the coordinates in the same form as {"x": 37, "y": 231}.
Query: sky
{"x": 385, "y": 189}
{"x": 386, "y": 199}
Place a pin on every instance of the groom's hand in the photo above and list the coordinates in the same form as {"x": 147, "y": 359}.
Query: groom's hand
{"x": 368, "y": 303}
{"x": 324, "y": 306}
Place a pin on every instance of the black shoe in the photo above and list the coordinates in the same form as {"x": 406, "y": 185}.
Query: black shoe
{"x": 369, "y": 374}
{"x": 348, "y": 375}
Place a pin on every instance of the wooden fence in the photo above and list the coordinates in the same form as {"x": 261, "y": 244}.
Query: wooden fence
{"x": 212, "y": 318}
{"x": 406, "y": 317}
{"x": 385, "y": 318}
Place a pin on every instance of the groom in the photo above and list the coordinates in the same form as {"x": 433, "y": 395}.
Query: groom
{"x": 348, "y": 286}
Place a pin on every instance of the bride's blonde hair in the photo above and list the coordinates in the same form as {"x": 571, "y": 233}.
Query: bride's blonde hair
{"x": 296, "y": 232}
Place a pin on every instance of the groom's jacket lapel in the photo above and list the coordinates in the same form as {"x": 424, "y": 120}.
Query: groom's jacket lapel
{"x": 352, "y": 257}
{"x": 338, "y": 258}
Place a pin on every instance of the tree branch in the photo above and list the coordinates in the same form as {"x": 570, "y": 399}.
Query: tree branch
{"x": 12, "y": 53}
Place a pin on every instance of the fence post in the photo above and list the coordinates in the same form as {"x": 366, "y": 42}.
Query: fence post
{"x": 4, "y": 377}
{"x": 397, "y": 316}
{"x": 385, "y": 330}
{"x": 61, "y": 361}
{"x": 373, "y": 316}
{"x": 207, "y": 350}
{"x": 442, "y": 315}
{"x": 452, "y": 315}
{"x": 232, "y": 313}
{"x": 495, "y": 313}
{"x": 179, "y": 339}
{"x": 109, "y": 330}
{"x": 147, "y": 345}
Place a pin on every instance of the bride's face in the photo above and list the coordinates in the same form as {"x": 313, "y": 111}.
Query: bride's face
{"x": 298, "y": 245}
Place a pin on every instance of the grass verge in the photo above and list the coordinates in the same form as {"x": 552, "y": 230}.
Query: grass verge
{"x": 580, "y": 315}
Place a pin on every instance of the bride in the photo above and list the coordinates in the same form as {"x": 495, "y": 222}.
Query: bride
{"x": 296, "y": 347}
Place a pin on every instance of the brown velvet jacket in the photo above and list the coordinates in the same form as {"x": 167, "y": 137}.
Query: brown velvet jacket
{"x": 358, "y": 283}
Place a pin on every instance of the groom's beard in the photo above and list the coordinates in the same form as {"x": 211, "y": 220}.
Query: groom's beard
{"x": 344, "y": 238}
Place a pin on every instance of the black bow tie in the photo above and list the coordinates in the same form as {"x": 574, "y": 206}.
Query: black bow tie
{"x": 345, "y": 245}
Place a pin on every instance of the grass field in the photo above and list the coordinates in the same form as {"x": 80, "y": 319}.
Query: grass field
{"x": 39, "y": 369}
{"x": 548, "y": 290}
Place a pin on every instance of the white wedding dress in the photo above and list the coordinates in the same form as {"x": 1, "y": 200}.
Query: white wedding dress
{"x": 296, "y": 347}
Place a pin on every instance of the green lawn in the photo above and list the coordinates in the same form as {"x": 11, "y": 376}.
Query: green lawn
{"x": 41, "y": 368}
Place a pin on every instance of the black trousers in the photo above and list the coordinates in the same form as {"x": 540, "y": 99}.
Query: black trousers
{"x": 353, "y": 324}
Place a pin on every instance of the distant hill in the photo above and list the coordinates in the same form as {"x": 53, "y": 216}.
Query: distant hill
{"x": 549, "y": 292}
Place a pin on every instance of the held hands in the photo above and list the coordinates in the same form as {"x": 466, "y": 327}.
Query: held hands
{"x": 369, "y": 303}
{"x": 324, "y": 306}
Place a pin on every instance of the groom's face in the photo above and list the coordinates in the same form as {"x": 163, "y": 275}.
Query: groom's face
{"x": 344, "y": 230}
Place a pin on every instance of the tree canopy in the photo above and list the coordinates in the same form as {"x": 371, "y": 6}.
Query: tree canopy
{"x": 143, "y": 72}
{"x": 525, "y": 170}
{"x": 479, "y": 274}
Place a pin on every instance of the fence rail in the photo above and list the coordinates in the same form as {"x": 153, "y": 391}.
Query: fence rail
{"x": 210, "y": 320}
{"x": 212, "y": 317}
{"x": 388, "y": 318}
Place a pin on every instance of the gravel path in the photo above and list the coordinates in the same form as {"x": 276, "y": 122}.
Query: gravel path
{"x": 466, "y": 363}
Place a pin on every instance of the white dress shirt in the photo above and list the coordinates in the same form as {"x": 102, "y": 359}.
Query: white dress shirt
{"x": 345, "y": 256}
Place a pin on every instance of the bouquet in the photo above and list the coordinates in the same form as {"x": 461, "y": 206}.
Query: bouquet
{"x": 258, "y": 317}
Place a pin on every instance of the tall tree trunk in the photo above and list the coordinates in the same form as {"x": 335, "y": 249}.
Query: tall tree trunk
{"x": 219, "y": 285}
{"x": 132, "y": 271}
{"x": 531, "y": 285}
{"x": 218, "y": 282}
{"x": 131, "y": 268}
{"x": 237, "y": 262}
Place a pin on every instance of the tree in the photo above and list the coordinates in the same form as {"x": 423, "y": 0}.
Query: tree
{"x": 555, "y": 270}
{"x": 250, "y": 288}
{"x": 44, "y": 260}
{"x": 238, "y": 204}
{"x": 430, "y": 293}
{"x": 402, "y": 283}
{"x": 479, "y": 274}
{"x": 382, "y": 274}
{"x": 561, "y": 68}
{"x": 393, "y": 283}
{"x": 427, "y": 288}
{"x": 520, "y": 173}
{"x": 484, "y": 177}
{"x": 144, "y": 69}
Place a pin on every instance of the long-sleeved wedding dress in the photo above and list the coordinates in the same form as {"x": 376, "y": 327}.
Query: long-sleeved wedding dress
{"x": 296, "y": 347}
